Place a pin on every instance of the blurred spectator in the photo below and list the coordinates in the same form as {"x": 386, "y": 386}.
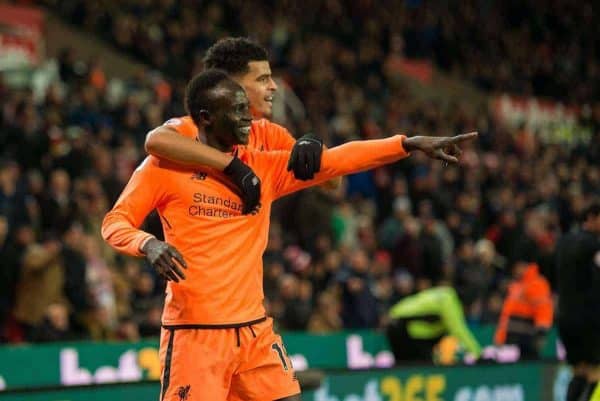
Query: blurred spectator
{"x": 528, "y": 310}
{"x": 393, "y": 227}
{"x": 54, "y": 326}
{"x": 150, "y": 324}
{"x": 8, "y": 276}
{"x": 127, "y": 330}
{"x": 296, "y": 302}
{"x": 420, "y": 321}
{"x": 58, "y": 207}
{"x": 408, "y": 252}
{"x": 11, "y": 199}
{"x": 100, "y": 282}
{"x": 75, "y": 271}
{"x": 359, "y": 305}
{"x": 326, "y": 316}
{"x": 41, "y": 274}
{"x": 431, "y": 248}
{"x": 478, "y": 271}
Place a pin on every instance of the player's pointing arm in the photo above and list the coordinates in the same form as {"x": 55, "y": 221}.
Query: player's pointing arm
{"x": 356, "y": 156}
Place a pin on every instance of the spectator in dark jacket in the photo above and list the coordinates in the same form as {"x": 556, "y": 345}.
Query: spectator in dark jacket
{"x": 359, "y": 304}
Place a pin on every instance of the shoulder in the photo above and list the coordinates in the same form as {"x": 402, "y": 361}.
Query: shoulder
{"x": 154, "y": 164}
{"x": 149, "y": 163}
{"x": 250, "y": 155}
{"x": 176, "y": 122}
{"x": 539, "y": 284}
{"x": 184, "y": 125}
{"x": 264, "y": 126}
{"x": 267, "y": 135}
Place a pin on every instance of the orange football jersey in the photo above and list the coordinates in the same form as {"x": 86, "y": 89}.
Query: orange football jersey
{"x": 201, "y": 217}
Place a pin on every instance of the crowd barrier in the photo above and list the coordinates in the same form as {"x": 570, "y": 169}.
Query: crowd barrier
{"x": 522, "y": 381}
{"x": 355, "y": 366}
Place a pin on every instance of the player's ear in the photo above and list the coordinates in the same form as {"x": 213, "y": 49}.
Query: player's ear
{"x": 205, "y": 116}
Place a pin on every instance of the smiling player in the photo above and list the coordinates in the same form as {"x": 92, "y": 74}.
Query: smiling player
{"x": 216, "y": 341}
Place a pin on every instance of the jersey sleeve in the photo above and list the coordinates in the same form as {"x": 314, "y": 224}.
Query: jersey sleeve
{"x": 184, "y": 125}
{"x": 349, "y": 158}
{"x": 283, "y": 139}
{"x": 275, "y": 136}
{"x": 120, "y": 227}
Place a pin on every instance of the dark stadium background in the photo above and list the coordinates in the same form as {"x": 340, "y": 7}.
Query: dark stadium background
{"x": 81, "y": 83}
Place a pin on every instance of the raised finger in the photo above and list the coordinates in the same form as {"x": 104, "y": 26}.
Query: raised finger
{"x": 463, "y": 137}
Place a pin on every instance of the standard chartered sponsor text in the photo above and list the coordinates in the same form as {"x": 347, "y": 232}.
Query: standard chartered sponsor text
{"x": 214, "y": 206}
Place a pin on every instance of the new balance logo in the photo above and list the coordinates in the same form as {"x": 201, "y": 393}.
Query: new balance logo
{"x": 184, "y": 392}
{"x": 199, "y": 176}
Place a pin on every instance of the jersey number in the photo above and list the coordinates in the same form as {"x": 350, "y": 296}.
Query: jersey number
{"x": 280, "y": 353}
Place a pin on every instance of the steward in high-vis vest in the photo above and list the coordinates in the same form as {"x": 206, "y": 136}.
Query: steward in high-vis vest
{"x": 528, "y": 310}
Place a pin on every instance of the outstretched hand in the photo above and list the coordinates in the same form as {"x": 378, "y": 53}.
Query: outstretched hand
{"x": 165, "y": 259}
{"x": 441, "y": 148}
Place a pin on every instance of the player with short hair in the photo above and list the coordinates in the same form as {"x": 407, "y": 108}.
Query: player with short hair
{"x": 248, "y": 64}
{"x": 217, "y": 342}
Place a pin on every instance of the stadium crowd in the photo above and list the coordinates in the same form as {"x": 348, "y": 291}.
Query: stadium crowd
{"x": 336, "y": 259}
{"x": 547, "y": 48}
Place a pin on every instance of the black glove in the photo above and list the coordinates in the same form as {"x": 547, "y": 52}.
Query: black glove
{"x": 247, "y": 182}
{"x": 162, "y": 257}
{"x": 305, "y": 159}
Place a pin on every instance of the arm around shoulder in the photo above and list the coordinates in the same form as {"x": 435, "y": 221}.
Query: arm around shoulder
{"x": 166, "y": 143}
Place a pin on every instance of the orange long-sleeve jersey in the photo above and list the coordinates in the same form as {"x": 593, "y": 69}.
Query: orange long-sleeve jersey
{"x": 529, "y": 299}
{"x": 201, "y": 217}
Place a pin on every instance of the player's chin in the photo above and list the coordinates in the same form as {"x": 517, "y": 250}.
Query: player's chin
{"x": 267, "y": 110}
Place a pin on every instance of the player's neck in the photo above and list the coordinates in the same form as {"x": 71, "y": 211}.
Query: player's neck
{"x": 211, "y": 141}
{"x": 257, "y": 115}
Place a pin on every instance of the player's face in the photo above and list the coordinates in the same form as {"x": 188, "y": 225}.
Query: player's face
{"x": 232, "y": 121}
{"x": 260, "y": 87}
